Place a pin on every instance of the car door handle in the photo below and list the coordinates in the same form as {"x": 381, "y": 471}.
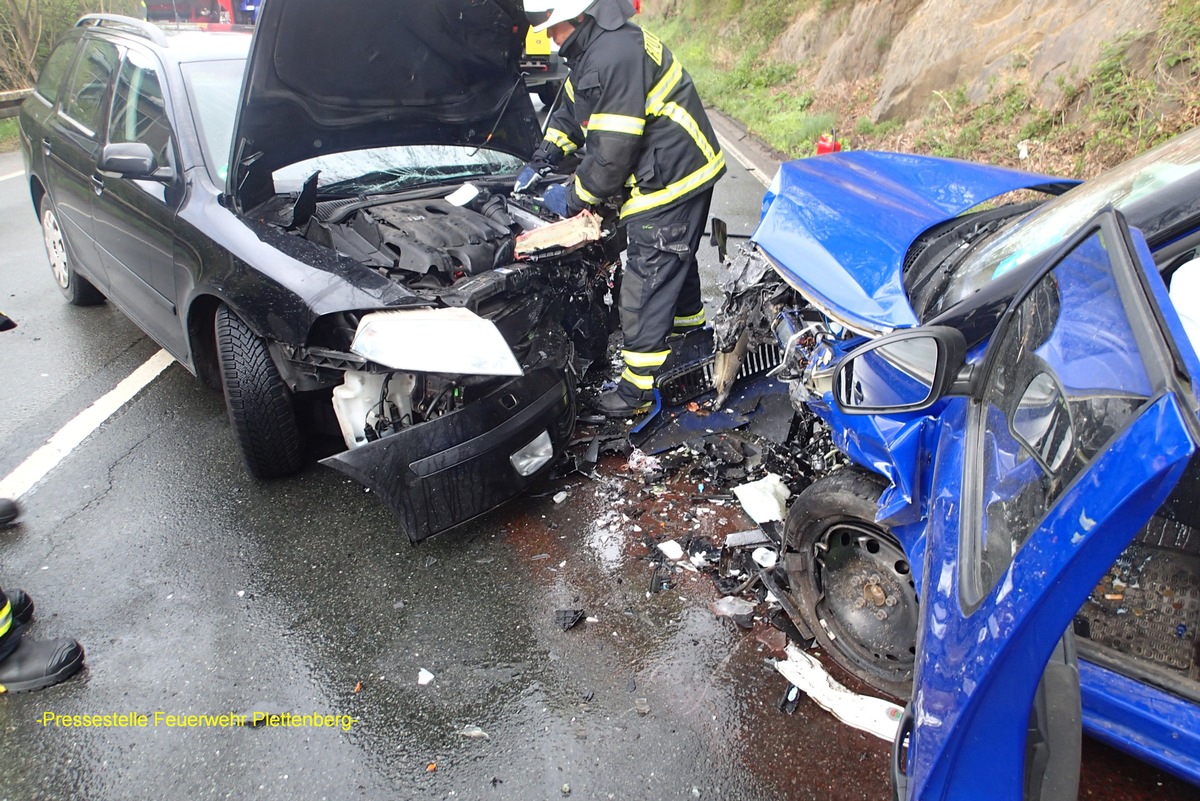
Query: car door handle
{"x": 46, "y": 147}
{"x": 97, "y": 182}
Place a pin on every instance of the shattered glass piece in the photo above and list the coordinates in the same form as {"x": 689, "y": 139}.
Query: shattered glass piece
{"x": 730, "y": 606}
{"x": 473, "y": 733}
{"x": 764, "y": 557}
{"x": 672, "y": 549}
{"x": 424, "y": 677}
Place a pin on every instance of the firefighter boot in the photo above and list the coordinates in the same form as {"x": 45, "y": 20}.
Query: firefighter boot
{"x": 35, "y": 665}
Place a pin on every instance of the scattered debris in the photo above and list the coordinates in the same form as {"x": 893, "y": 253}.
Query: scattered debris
{"x": 790, "y": 700}
{"x": 424, "y": 677}
{"x": 764, "y": 557}
{"x": 568, "y": 618}
{"x": 358, "y": 687}
{"x": 872, "y": 715}
{"x": 561, "y": 496}
{"x": 671, "y": 549}
{"x": 473, "y": 733}
{"x": 642, "y": 705}
{"x": 729, "y": 606}
{"x": 566, "y": 789}
{"x": 431, "y": 767}
{"x": 639, "y": 462}
{"x": 745, "y": 539}
{"x": 764, "y": 500}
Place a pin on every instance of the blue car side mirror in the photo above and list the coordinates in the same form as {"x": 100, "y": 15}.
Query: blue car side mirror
{"x": 905, "y": 371}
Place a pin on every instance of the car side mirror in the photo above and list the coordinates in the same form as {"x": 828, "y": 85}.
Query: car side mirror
{"x": 133, "y": 160}
{"x": 905, "y": 371}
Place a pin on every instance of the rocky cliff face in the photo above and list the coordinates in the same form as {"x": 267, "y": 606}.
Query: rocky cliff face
{"x": 927, "y": 46}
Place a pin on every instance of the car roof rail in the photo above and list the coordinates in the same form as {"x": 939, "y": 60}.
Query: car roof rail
{"x": 138, "y": 27}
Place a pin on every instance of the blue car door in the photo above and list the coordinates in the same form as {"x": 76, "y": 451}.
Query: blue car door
{"x": 1081, "y": 419}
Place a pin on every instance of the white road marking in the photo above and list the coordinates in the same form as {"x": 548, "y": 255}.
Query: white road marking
{"x": 745, "y": 162}
{"x": 12, "y": 175}
{"x": 67, "y": 438}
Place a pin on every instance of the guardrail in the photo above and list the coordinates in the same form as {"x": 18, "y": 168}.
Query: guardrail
{"x": 10, "y": 102}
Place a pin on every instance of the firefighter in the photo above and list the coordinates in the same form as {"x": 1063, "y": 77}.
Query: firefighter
{"x": 27, "y": 665}
{"x": 651, "y": 147}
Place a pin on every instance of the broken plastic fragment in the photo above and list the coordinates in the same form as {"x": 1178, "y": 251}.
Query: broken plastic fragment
{"x": 764, "y": 557}
{"x": 744, "y": 539}
{"x": 424, "y": 677}
{"x": 561, "y": 496}
{"x": 672, "y": 549}
{"x": 730, "y": 606}
{"x": 872, "y": 715}
{"x": 642, "y": 706}
{"x": 568, "y": 618}
{"x": 474, "y": 733}
{"x": 764, "y": 499}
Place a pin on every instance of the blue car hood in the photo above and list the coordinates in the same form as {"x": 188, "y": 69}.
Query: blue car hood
{"x": 837, "y": 226}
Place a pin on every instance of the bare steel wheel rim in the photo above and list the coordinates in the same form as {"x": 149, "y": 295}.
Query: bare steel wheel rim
{"x": 56, "y": 248}
{"x": 869, "y": 600}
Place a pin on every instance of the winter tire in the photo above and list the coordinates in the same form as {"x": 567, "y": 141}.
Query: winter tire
{"x": 259, "y": 403}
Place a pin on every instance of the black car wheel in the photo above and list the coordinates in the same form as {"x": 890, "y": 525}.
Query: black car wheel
{"x": 259, "y": 402}
{"x": 851, "y": 580}
{"x": 75, "y": 288}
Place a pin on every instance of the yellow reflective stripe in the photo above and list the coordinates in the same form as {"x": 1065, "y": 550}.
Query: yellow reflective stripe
{"x": 5, "y": 618}
{"x": 658, "y": 95}
{"x": 643, "y": 382}
{"x": 584, "y": 195}
{"x": 570, "y": 90}
{"x": 561, "y": 140}
{"x": 672, "y": 192}
{"x": 692, "y": 319}
{"x": 688, "y": 123}
{"x": 635, "y": 359}
{"x": 653, "y": 46}
{"x": 617, "y": 123}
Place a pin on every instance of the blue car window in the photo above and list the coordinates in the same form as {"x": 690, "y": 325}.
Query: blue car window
{"x": 139, "y": 112}
{"x": 84, "y": 102}
{"x": 1067, "y": 378}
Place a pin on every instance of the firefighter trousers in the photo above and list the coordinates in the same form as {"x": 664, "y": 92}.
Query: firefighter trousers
{"x": 660, "y": 288}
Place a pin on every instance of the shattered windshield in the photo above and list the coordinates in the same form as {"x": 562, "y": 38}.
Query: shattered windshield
{"x": 387, "y": 169}
{"x": 1046, "y": 227}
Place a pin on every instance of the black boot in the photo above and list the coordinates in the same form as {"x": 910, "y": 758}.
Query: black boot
{"x": 615, "y": 404}
{"x": 22, "y": 606}
{"x": 36, "y": 665}
{"x": 9, "y": 512}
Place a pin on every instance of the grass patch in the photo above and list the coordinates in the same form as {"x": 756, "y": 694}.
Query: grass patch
{"x": 10, "y": 138}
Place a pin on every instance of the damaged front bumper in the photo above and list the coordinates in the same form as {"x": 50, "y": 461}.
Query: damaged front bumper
{"x": 446, "y": 471}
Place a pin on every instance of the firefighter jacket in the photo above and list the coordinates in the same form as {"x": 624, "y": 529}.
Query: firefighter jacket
{"x": 649, "y": 142}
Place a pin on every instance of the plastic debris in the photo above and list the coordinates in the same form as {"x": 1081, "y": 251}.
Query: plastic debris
{"x": 561, "y": 496}
{"x": 764, "y": 500}
{"x": 764, "y": 557}
{"x": 431, "y": 767}
{"x": 568, "y": 618}
{"x": 872, "y": 715}
{"x": 642, "y": 705}
{"x": 730, "y": 606}
{"x": 791, "y": 699}
{"x": 424, "y": 677}
{"x": 639, "y": 462}
{"x": 744, "y": 539}
{"x": 566, "y": 789}
{"x": 473, "y": 733}
{"x": 672, "y": 549}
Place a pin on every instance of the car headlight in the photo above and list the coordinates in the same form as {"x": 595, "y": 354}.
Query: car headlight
{"x": 451, "y": 340}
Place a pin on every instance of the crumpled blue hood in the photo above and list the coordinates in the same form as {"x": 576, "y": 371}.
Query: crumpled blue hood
{"x": 838, "y": 226}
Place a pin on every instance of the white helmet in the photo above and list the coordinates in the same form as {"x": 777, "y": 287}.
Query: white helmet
{"x": 559, "y": 12}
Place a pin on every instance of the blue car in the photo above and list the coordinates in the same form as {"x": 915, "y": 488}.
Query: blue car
{"x": 1021, "y": 353}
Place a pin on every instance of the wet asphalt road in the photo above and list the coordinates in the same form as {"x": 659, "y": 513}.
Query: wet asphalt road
{"x": 197, "y": 590}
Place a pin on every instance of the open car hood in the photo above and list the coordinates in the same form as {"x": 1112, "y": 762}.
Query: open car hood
{"x": 326, "y": 77}
{"x": 838, "y": 226}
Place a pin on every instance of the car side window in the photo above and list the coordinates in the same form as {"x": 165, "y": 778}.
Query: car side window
{"x": 87, "y": 88}
{"x": 51, "y": 78}
{"x": 139, "y": 113}
{"x": 1067, "y": 379}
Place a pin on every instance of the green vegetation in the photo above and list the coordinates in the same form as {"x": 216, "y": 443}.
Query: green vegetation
{"x": 1143, "y": 89}
{"x": 8, "y": 135}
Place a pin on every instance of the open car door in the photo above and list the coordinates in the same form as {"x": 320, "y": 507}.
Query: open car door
{"x": 1075, "y": 426}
